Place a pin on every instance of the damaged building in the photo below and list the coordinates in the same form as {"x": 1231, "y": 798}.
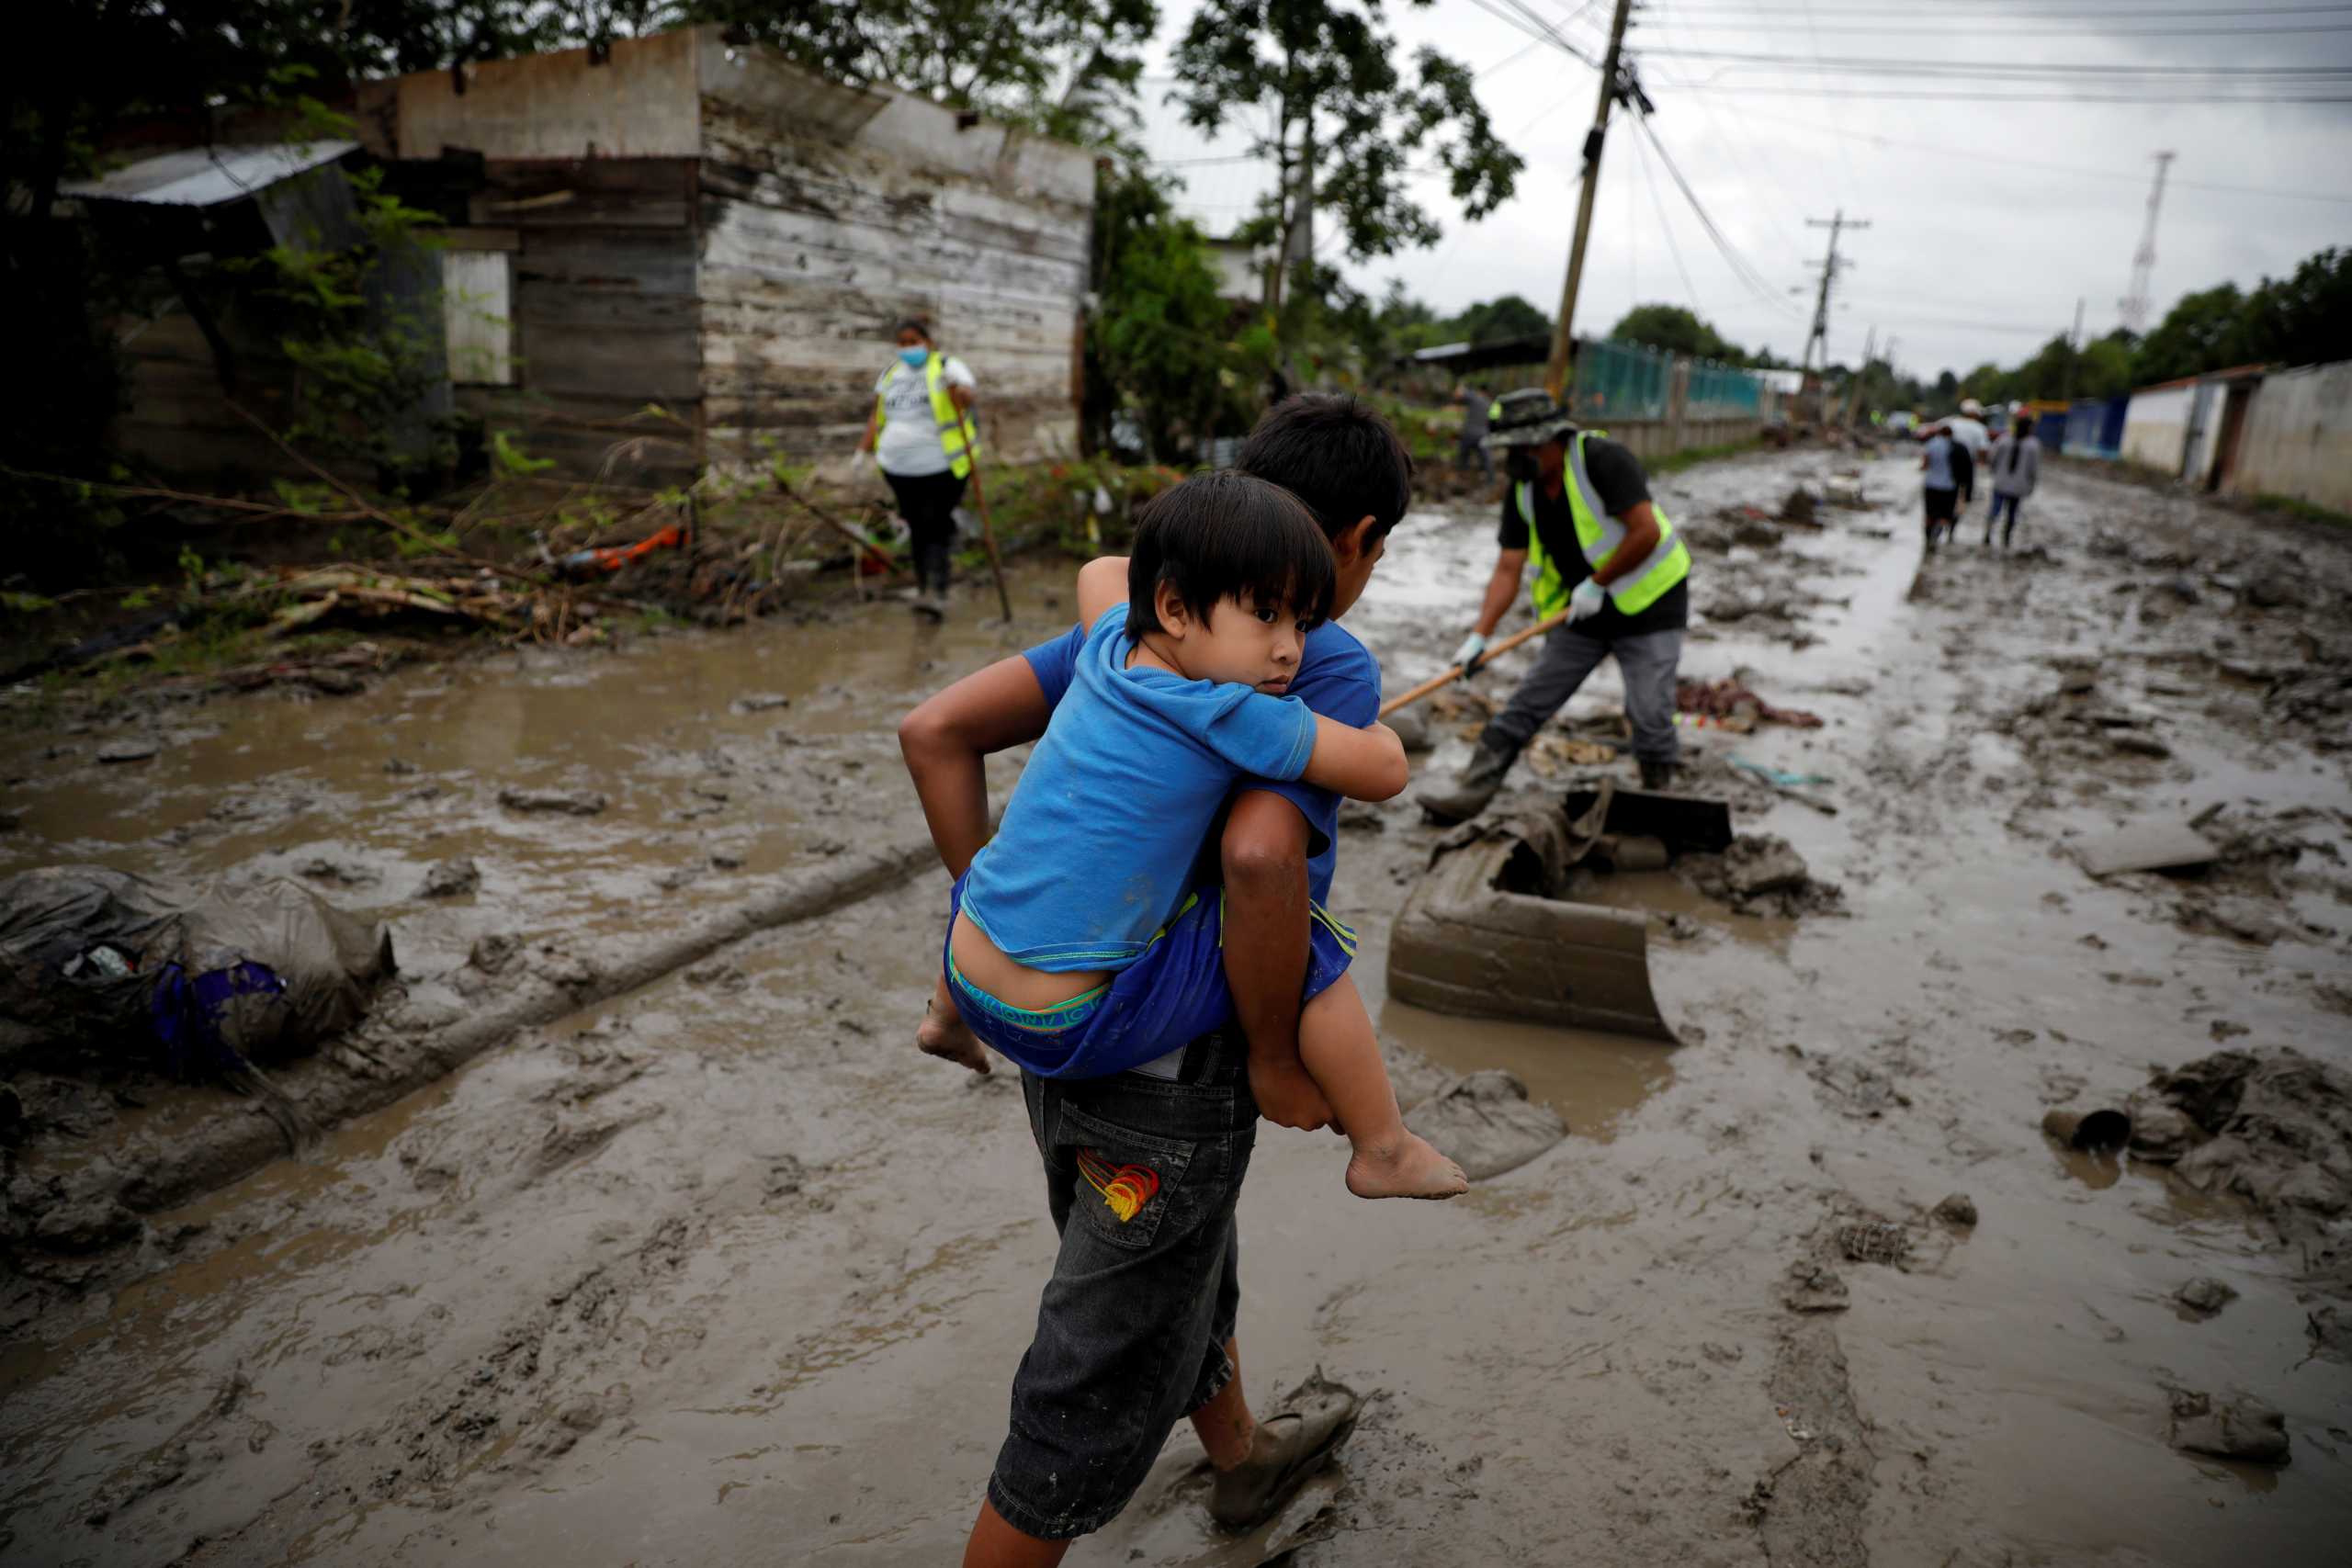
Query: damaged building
{"x": 662, "y": 254}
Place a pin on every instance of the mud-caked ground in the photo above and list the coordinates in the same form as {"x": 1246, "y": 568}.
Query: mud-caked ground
{"x": 632, "y": 1229}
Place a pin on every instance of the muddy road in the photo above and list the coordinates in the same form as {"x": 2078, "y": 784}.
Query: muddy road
{"x": 717, "y": 1269}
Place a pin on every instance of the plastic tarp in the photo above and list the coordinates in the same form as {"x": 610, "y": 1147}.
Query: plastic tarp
{"x": 100, "y": 962}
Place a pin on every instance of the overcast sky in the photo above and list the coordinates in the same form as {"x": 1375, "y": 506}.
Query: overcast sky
{"x": 1989, "y": 220}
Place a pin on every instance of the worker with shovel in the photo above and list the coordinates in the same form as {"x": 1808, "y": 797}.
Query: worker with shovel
{"x": 1611, "y": 573}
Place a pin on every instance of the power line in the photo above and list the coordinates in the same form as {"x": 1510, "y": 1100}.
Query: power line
{"x": 1979, "y": 158}
{"x": 1533, "y": 26}
{"x": 1740, "y": 267}
{"x": 2151, "y": 95}
{"x": 2026, "y": 12}
{"x": 2285, "y": 30}
{"x": 1838, "y": 65}
{"x": 1658, "y": 204}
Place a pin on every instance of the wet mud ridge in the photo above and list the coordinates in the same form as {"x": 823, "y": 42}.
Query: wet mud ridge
{"x": 632, "y": 1229}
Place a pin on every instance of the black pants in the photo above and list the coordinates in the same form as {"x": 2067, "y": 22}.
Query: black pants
{"x": 928, "y": 503}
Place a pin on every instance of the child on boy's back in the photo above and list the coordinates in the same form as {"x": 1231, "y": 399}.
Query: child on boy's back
{"x": 1078, "y": 945}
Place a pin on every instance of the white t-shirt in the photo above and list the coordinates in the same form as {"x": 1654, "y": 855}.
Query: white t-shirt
{"x": 908, "y": 446}
{"x": 1969, "y": 434}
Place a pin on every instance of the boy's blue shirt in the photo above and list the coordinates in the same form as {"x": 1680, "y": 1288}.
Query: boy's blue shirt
{"x": 1337, "y": 677}
{"x": 1096, "y": 847}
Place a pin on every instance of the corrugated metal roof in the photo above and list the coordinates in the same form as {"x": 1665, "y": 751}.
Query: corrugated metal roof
{"x": 207, "y": 176}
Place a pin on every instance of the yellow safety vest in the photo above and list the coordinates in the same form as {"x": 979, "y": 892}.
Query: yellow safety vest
{"x": 1598, "y": 535}
{"x": 943, "y": 413}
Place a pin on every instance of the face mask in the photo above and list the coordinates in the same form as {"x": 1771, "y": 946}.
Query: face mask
{"x": 915, "y": 357}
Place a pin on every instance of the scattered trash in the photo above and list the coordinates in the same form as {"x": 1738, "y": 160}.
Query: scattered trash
{"x": 568, "y": 802}
{"x": 1875, "y": 1241}
{"x": 2205, "y": 1296}
{"x": 127, "y": 751}
{"x": 1812, "y": 1287}
{"x": 1788, "y": 784}
{"x": 1733, "y": 703}
{"x": 451, "y": 878}
{"x": 762, "y": 702}
{"x": 93, "y": 960}
{"x": 2147, "y": 846}
{"x": 1959, "y": 1210}
{"x": 2090, "y": 1130}
{"x": 2245, "y": 1428}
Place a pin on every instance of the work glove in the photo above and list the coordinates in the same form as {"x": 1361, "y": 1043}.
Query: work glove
{"x": 1466, "y": 656}
{"x": 1586, "y": 600}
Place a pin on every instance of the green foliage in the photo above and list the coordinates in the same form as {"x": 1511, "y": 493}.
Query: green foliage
{"x": 1066, "y": 68}
{"x": 1675, "y": 330}
{"x": 1346, "y": 123}
{"x": 1161, "y": 340}
{"x": 509, "y": 461}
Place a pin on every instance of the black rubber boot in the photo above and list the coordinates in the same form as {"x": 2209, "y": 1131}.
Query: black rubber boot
{"x": 1658, "y": 776}
{"x": 1476, "y": 785}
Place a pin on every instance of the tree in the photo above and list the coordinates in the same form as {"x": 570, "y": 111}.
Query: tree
{"x": 1674, "y": 330}
{"x": 1499, "y": 320}
{"x": 1158, "y": 338}
{"x": 1345, "y": 122}
{"x": 2204, "y": 331}
{"x": 2305, "y": 319}
{"x": 1066, "y": 67}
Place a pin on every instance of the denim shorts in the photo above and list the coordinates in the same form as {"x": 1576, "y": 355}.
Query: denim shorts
{"x": 1133, "y": 1325}
{"x": 1174, "y": 993}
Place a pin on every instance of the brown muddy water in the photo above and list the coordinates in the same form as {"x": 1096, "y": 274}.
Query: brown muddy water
{"x": 720, "y": 1271}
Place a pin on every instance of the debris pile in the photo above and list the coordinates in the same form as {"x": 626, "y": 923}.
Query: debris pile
{"x": 1760, "y": 874}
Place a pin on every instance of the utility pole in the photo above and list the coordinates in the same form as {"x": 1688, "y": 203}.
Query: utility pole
{"x": 1820, "y": 333}
{"x": 2143, "y": 260}
{"x": 1555, "y": 371}
{"x": 1854, "y": 388}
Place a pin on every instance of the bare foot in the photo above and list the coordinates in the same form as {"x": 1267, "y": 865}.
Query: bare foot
{"x": 943, "y": 1033}
{"x": 1411, "y": 1167}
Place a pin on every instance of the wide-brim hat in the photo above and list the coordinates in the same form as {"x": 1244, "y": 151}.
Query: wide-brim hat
{"x": 1528, "y": 418}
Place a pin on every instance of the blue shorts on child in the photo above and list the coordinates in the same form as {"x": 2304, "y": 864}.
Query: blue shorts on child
{"x": 1174, "y": 993}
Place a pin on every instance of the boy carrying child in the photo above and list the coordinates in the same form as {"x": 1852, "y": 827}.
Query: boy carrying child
{"x": 1144, "y": 1166}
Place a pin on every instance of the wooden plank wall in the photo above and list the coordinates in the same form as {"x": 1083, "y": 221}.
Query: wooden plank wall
{"x": 816, "y": 240}
{"x": 606, "y": 320}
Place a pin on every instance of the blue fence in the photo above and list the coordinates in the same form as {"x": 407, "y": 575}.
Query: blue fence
{"x": 2095, "y": 427}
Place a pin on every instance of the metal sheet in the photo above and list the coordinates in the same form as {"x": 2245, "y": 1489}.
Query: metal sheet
{"x": 207, "y": 176}
{"x": 2146, "y": 846}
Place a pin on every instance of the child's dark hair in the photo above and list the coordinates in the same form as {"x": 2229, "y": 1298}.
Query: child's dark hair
{"x": 1337, "y": 455}
{"x": 1225, "y": 535}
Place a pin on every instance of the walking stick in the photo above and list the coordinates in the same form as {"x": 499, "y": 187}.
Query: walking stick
{"x": 1436, "y": 683}
{"x": 980, "y": 500}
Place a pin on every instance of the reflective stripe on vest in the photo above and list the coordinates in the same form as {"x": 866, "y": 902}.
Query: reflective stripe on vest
{"x": 943, "y": 413}
{"x": 1598, "y": 535}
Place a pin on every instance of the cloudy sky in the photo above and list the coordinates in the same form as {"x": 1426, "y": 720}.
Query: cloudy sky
{"x": 1997, "y": 193}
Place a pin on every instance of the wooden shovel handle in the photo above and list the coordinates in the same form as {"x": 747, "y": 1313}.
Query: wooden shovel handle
{"x": 1436, "y": 683}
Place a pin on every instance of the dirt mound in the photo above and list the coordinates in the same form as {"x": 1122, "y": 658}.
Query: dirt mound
{"x": 2273, "y": 1127}
{"x": 1761, "y": 875}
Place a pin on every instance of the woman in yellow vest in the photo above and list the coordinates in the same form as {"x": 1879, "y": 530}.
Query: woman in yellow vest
{"x": 918, "y": 435}
{"x": 1577, "y": 509}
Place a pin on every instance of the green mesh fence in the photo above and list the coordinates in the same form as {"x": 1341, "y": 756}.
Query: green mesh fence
{"x": 1620, "y": 380}
{"x": 1718, "y": 391}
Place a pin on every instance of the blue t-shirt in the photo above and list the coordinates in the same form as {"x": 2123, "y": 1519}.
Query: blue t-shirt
{"x": 1338, "y": 678}
{"x": 1098, "y": 842}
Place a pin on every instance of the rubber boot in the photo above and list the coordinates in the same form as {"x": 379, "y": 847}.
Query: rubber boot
{"x": 1658, "y": 776}
{"x": 1476, "y": 786}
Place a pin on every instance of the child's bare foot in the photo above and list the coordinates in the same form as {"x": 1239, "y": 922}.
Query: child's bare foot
{"x": 943, "y": 1033}
{"x": 1410, "y": 1167}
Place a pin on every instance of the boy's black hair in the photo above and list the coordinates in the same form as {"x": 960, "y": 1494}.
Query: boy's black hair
{"x": 1337, "y": 455}
{"x": 1225, "y": 535}
{"x": 920, "y": 325}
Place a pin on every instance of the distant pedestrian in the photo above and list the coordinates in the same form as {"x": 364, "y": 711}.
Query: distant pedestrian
{"x": 2017, "y": 469}
{"x": 921, "y": 440}
{"x": 1938, "y": 484}
{"x": 1970, "y": 435}
{"x": 1472, "y": 446}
